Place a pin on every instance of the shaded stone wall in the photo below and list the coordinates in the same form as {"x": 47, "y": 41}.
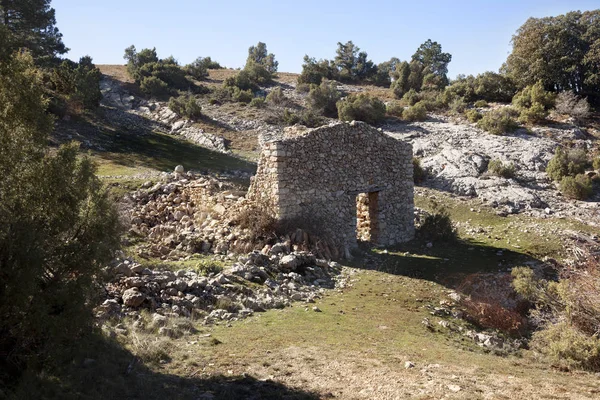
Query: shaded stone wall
{"x": 318, "y": 173}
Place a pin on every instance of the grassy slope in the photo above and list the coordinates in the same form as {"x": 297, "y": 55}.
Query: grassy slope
{"x": 356, "y": 347}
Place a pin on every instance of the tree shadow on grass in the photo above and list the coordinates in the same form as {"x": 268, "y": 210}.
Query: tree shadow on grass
{"x": 446, "y": 263}
{"x": 102, "y": 369}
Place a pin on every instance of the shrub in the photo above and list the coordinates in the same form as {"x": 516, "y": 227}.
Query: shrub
{"x": 480, "y": 104}
{"x": 566, "y": 163}
{"x": 186, "y": 106}
{"x": 437, "y": 226}
{"x": 596, "y": 163}
{"x": 418, "y": 112}
{"x": 533, "y": 103}
{"x": 260, "y": 224}
{"x": 197, "y": 69}
{"x": 394, "y": 109}
{"x": 257, "y": 102}
{"x": 497, "y": 122}
{"x": 277, "y": 97}
{"x": 473, "y": 115}
{"x": 492, "y": 315}
{"x": 567, "y": 312}
{"x": 419, "y": 174}
{"x": 78, "y": 82}
{"x": 458, "y": 105}
{"x": 259, "y": 56}
{"x": 313, "y": 71}
{"x": 323, "y": 99}
{"x": 568, "y": 103}
{"x": 154, "y": 86}
{"x": 242, "y": 96}
{"x": 303, "y": 88}
{"x": 208, "y": 266}
{"x": 411, "y": 97}
{"x": 578, "y": 187}
{"x": 307, "y": 118}
{"x": 58, "y": 230}
{"x": 502, "y": 170}
{"x": 361, "y": 107}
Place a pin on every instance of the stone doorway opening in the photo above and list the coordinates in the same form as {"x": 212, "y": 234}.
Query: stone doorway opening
{"x": 367, "y": 217}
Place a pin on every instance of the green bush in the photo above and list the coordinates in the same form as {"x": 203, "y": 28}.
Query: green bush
{"x": 303, "y": 87}
{"x": 533, "y": 103}
{"x": 437, "y": 226}
{"x": 418, "y": 112}
{"x": 241, "y": 96}
{"x": 411, "y": 97}
{"x": 361, "y": 107}
{"x": 498, "y": 122}
{"x": 502, "y": 170}
{"x": 419, "y": 174}
{"x": 323, "y": 99}
{"x": 480, "y": 104}
{"x": 566, "y": 163}
{"x": 596, "y": 163}
{"x": 578, "y": 187}
{"x": 259, "y": 56}
{"x": 277, "y": 97}
{"x": 145, "y": 66}
{"x": 307, "y": 118}
{"x": 257, "y": 102}
{"x": 313, "y": 72}
{"x": 197, "y": 69}
{"x": 153, "y": 86}
{"x": 394, "y": 109}
{"x": 567, "y": 312}
{"x": 458, "y": 105}
{"x": 473, "y": 115}
{"x": 58, "y": 230}
{"x": 186, "y": 106}
{"x": 78, "y": 82}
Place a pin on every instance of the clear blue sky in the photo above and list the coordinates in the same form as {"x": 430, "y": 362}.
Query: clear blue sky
{"x": 476, "y": 32}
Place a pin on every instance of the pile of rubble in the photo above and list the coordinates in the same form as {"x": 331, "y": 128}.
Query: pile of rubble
{"x": 188, "y": 213}
{"x": 256, "y": 282}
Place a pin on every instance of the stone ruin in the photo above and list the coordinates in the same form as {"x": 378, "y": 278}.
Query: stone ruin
{"x": 351, "y": 179}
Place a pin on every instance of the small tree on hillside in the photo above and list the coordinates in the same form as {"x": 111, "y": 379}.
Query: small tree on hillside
{"x": 258, "y": 55}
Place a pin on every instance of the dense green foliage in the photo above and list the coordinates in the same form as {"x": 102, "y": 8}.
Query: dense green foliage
{"x": 473, "y": 115}
{"x": 199, "y": 68}
{"x": 57, "y": 227}
{"x": 156, "y": 77}
{"x": 573, "y": 302}
{"x": 434, "y": 63}
{"x": 361, "y": 107}
{"x": 259, "y": 55}
{"x": 276, "y": 97}
{"x": 566, "y": 163}
{"x": 77, "y": 83}
{"x": 576, "y": 187}
{"x": 498, "y": 122}
{"x": 562, "y": 52}
{"x": 489, "y": 86}
{"x": 437, "y": 226}
{"x": 186, "y": 106}
{"x": 32, "y": 26}
{"x": 418, "y": 112}
{"x": 502, "y": 170}
{"x": 314, "y": 71}
{"x": 323, "y": 99}
{"x": 533, "y": 103}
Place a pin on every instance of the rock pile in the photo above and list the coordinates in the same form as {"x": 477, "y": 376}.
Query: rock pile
{"x": 116, "y": 96}
{"x": 256, "y": 282}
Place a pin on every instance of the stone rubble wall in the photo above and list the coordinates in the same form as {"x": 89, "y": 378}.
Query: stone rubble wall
{"x": 317, "y": 174}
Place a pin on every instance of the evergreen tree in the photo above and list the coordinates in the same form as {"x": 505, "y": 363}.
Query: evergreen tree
{"x": 32, "y": 22}
{"x": 259, "y": 55}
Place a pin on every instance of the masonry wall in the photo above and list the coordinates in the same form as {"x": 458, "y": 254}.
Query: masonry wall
{"x": 318, "y": 174}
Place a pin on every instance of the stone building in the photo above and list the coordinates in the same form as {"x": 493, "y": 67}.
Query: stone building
{"x": 354, "y": 180}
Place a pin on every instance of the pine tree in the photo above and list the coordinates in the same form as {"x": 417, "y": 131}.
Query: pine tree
{"x": 32, "y": 23}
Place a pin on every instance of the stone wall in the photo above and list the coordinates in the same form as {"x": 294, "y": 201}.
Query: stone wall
{"x": 317, "y": 174}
